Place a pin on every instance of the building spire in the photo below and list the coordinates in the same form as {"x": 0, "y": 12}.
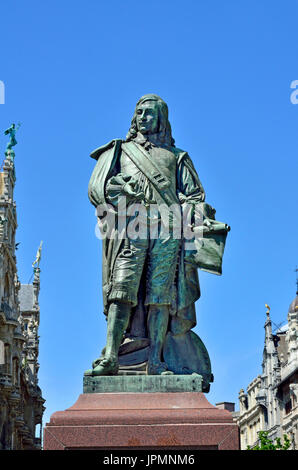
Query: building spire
{"x": 269, "y": 342}
{"x": 296, "y": 271}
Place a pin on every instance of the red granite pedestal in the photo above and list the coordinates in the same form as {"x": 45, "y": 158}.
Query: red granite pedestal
{"x": 141, "y": 421}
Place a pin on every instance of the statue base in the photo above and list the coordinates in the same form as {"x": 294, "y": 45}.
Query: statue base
{"x": 145, "y": 419}
{"x": 142, "y": 383}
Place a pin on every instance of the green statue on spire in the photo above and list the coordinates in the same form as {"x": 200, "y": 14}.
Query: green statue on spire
{"x": 11, "y": 131}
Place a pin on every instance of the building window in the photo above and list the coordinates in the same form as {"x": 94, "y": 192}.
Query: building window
{"x": 2, "y": 353}
{"x": 15, "y": 368}
{"x": 288, "y": 407}
{"x": 6, "y": 288}
{"x": 7, "y": 358}
{"x": 37, "y": 431}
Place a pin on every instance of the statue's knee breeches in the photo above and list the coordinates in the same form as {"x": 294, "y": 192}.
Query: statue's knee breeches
{"x": 159, "y": 258}
{"x": 127, "y": 272}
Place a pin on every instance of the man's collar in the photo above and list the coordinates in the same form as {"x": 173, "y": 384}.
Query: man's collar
{"x": 146, "y": 143}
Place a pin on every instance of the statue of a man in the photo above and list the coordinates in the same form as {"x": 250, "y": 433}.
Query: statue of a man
{"x": 150, "y": 285}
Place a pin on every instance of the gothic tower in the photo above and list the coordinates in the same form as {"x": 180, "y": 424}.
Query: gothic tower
{"x": 21, "y": 403}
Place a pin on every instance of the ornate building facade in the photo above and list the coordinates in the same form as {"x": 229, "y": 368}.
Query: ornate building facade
{"x": 21, "y": 402}
{"x": 270, "y": 402}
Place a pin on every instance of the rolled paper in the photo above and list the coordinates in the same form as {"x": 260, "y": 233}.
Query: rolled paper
{"x": 213, "y": 226}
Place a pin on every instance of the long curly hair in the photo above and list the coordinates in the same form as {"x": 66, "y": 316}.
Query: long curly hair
{"x": 164, "y": 131}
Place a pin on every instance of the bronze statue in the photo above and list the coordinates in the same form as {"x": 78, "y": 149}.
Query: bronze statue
{"x": 11, "y": 131}
{"x": 150, "y": 283}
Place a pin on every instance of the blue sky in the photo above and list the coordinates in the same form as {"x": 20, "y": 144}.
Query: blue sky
{"x": 73, "y": 72}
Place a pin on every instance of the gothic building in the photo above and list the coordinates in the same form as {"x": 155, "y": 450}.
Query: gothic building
{"x": 271, "y": 399}
{"x": 21, "y": 402}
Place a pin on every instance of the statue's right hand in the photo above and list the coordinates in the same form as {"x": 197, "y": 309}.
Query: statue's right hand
{"x": 129, "y": 190}
{"x": 124, "y": 185}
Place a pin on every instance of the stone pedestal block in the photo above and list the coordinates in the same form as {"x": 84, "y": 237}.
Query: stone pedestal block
{"x": 131, "y": 420}
{"x": 142, "y": 383}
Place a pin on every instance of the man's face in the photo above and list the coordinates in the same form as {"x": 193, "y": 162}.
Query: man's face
{"x": 147, "y": 118}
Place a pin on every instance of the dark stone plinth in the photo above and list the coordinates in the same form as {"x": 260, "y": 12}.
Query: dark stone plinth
{"x": 176, "y": 420}
{"x": 143, "y": 383}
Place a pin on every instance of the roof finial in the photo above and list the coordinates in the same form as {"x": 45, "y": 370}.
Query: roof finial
{"x": 268, "y": 310}
{"x": 296, "y": 271}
